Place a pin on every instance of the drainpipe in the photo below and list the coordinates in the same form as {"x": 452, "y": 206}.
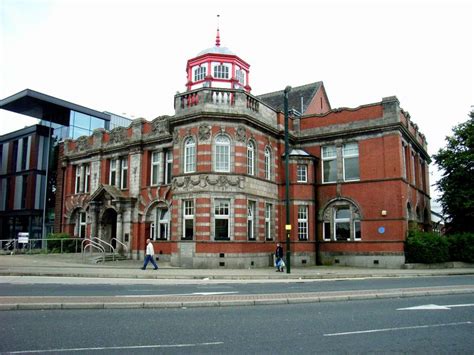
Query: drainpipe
{"x": 315, "y": 195}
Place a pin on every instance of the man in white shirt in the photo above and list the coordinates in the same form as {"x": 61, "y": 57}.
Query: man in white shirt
{"x": 149, "y": 255}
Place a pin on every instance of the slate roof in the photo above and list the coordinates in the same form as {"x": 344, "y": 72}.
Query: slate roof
{"x": 275, "y": 99}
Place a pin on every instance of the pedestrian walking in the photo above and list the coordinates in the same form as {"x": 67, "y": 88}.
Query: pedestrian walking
{"x": 279, "y": 264}
{"x": 149, "y": 255}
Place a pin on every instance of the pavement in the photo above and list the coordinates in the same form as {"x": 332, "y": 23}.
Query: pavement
{"x": 71, "y": 268}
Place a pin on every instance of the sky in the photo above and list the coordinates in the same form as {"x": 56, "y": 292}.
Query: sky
{"x": 129, "y": 56}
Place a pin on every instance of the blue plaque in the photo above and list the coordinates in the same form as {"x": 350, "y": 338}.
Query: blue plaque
{"x": 381, "y": 230}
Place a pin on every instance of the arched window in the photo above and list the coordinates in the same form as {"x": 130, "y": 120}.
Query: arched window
{"x": 251, "y": 158}
{"x": 341, "y": 221}
{"x": 189, "y": 155}
{"x": 268, "y": 163}
{"x": 409, "y": 212}
{"x": 222, "y": 153}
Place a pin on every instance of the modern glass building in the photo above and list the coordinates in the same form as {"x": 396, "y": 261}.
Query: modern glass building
{"x": 26, "y": 200}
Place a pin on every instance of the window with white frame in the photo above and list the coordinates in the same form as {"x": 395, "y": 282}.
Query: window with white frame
{"x": 302, "y": 173}
{"x": 341, "y": 222}
{"x": 342, "y": 226}
{"x": 350, "y": 154}
{"x": 189, "y": 155}
{"x": 240, "y": 76}
{"x": 168, "y": 166}
{"x": 329, "y": 161}
{"x": 77, "y": 188}
{"x": 268, "y": 221}
{"x": 112, "y": 172}
{"x": 221, "y": 219}
{"x": 199, "y": 73}
{"x": 268, "y": 163}
{"x": 155, "y": 165}
{"x": 303, "y": 222}
{"x": 87, "y": 178}
{"x": 222, "y": 158}
{"x": 250, "y": 158}
{"x": 82, "y": 225}
{"x": 188, "y": 219}
{"x": 251, "y": 220}
{"x": 160, "y": 226}
{"x": 124, "y": 173}
{"x": 221, "y": 72}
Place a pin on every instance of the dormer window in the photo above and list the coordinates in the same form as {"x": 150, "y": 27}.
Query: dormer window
{"x": 221, "y": 72}
{"x": 199, "y": 73}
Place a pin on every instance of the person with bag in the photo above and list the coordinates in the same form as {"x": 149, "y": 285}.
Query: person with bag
{"x": 149, "y": 255}
{"x": 279, "y": 264}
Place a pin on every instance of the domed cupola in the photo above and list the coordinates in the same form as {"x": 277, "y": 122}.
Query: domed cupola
{"x": 217, "y": 67}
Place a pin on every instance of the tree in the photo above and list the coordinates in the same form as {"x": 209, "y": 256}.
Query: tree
{"x": 457, "y": 182}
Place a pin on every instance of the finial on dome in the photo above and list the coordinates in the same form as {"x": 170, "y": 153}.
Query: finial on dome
{"x": 218, "y": 37}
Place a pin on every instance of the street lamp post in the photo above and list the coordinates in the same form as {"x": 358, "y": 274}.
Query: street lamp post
{"x": 287, "y": 182}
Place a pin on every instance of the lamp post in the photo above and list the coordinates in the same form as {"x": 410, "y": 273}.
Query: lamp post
{"x": 287, "y": 182}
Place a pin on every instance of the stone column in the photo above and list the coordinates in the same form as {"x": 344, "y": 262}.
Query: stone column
{"x": 94, "y": 209}
{"x": 119, "y": 235}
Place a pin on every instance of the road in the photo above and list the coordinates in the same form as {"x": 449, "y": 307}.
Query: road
{"x": 54, "y": 286}
{"x": 377, "y": 326}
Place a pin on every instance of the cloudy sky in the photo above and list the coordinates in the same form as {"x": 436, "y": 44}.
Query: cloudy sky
{"x": 129, "y": 57}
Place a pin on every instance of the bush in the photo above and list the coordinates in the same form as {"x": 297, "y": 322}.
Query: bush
{"x": 425, "y": 247}
{"x": 461, "y": 247}
{"x": 54, "y": 245}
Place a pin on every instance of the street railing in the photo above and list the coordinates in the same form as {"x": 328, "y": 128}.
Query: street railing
{"x": 41, "y": 245}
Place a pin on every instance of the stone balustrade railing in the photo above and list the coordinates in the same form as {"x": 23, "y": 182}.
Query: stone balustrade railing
{"x": 223, "y": 100}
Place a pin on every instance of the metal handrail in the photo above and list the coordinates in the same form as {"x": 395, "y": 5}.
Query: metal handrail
{"x": 92, "y": 244}
{"x": 124, "y": 245}
{"x": 100, "y": 242}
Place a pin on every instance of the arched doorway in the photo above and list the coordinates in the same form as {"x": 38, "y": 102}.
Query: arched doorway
{"x": 109, "y": 226}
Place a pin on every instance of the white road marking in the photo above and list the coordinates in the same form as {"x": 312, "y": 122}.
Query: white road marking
{"x": 155, "y": 346}
{"x": 435, "y": 307}
{"x": 179, "y": 294}
{"x": 398, "y": 328}
{"x": 213, "y": 293}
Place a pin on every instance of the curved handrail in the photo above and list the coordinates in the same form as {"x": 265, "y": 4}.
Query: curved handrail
{"x": 124, "y": 245}
{"x": 100, "y": 242}
{"x": 92, "y": 244}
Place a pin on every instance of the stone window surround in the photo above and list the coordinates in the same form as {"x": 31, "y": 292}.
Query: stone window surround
{"x": 328, "y": 217}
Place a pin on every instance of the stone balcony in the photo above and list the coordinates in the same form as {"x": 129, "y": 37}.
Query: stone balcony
{"x": 223, "y": 101}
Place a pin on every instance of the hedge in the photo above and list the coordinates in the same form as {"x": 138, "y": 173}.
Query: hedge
{"x": 430, "y": 248}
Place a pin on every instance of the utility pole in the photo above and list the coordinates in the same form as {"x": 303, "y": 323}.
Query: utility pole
{"x": 287, "y": 181}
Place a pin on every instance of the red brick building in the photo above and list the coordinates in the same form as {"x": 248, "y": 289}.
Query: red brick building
{"x": 208, "y": 183}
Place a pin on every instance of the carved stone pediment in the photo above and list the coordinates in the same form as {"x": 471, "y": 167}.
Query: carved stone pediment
{"x": 160, "y": 125}
{"x": 118, "y": 135}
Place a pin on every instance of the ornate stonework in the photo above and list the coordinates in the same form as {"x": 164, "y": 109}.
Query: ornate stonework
{"x": 204, "y": 132}
{"x": 241, "y": 135}
{"x": 160, "y": 125}
{"x": 204, "y": 181}
{"x": 82, "y": 144}
{"x": 118, "y": 135}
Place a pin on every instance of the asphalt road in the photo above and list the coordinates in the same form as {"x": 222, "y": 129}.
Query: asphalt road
{"x": 15, "y": 286}
{"x": 371, "y": 326}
